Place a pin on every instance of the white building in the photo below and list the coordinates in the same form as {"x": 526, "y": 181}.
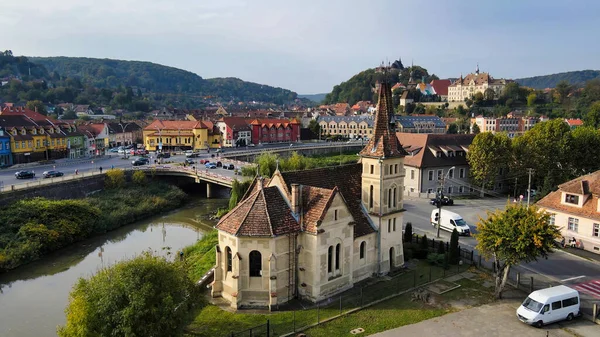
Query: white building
{"x": 465, "y": 88}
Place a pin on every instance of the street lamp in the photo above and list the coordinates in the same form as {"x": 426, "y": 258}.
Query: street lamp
{"x": 123, "y": 131}
{"x": 441, "y": 196}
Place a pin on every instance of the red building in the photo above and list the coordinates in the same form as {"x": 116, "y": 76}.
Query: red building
{"x": 275, "y": 131}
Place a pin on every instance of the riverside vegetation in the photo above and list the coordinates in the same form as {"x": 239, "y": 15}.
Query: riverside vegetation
{"x": 32, "y": 228}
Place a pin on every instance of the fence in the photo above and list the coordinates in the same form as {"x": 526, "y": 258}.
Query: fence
{"x": 299, "y": 316}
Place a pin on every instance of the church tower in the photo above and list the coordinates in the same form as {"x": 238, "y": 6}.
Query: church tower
{"x": 383, "y": 180}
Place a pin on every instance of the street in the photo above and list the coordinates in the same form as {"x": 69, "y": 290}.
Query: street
{"x": 560, "y": 267}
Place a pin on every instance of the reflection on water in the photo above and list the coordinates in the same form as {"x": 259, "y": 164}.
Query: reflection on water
{"x": 33, "y": 297}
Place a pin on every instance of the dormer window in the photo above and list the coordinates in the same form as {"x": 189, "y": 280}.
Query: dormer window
{"x": 42, "y": 131}
{"x": 23, "y": 132}
{"x": 572, "y": 199}
{"x": 14, "y": 132}
{"x": 438, "y": 154}
{"x": 33, "y": 132}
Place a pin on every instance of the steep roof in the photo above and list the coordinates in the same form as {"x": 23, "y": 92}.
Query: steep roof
{"x": 347, "y": 180}
{"x": 265, "y": 213}
{"x": 409, "y": 121}
{"x": 237, "y": 123}
{"x": 420, "y": 146}
{"x": 383, "y": 143}
{"x": 441, "y": 86}
{"x": 174, "y": 125}
{"x": 589, "y": 183}
{"x": 574, "y": 122}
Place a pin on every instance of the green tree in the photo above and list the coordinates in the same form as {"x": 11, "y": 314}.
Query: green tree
{"x": 138, "y": 177}
{"x": 314, "y": 127}
{"x": 115, "y": 178}
{"x": 488, "y": 154}
{"x": 592, "y": 118}
{"x": 531, "y": 98}
{"x": 517, "y": 234}
{"x": 452, "y": 128}
{"x": 489, "y": 94}
{"x": 469, "y": 102}
{"x": 585, "y": 151}
{"x": 37, "y": 106}
{"x": 476, "y": 129}
{"x": 408, "y": 233}
{"x": 478, "y": 97}
{"x": 424, "y": 243}
{"x": 69, "y": 114}
{"x": 453, "y": 250}
{"x": 145, "y": 296}
{"x": 562, "y": 91}
{"x": 267, "y": 163}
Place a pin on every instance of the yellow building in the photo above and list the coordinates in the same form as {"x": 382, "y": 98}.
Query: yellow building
{"x": 181, "y": 135}
{"x": 347, "y": 126}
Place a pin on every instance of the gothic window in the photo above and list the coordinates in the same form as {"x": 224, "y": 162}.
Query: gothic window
{"x": 394, "y": 225}
{"x": 229, "y": 258}
{"x": 338, "y": 252}
{"x": 394, "y": 198}
{"x": 389, "y": 225}
{"x": 371, "y": 196}
{"x": 255, "y": 263}
{"x": 330, "y": 259}
{"x": 389, "y": 199}
{"x": 363, "y": 248}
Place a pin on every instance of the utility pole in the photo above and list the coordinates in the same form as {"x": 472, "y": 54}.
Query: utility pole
{"x": 515, "y": 195}
{"x": 441, "y": 197}
{"x": 530, "y": 170}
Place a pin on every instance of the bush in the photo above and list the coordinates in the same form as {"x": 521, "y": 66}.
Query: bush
{"x": 408, "y": 233}
{"x": 115, "y": 178}
{"x": 453, "y": 253}
{"x": 139, "y": 178}
{"x": 441, "y": 249}
{"x": 424, "y": 243}
{"x": 436, "y": 259}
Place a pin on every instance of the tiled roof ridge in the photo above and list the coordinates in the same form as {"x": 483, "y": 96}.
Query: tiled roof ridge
{"x": 269, "y": 223}
{"x": 334, "y": 191}
{"x": 233, "y": 210}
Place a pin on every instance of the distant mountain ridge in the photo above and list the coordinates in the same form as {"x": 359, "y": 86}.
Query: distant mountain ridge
{"x": 160, "y": 79}
{"x": 317, "y": 98}
{"x": 577, "y": 78}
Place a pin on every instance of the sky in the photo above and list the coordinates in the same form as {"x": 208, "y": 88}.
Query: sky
{"x": 309, "y": 46}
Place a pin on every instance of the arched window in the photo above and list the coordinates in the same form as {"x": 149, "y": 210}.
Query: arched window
{"x": 255, "y": 263}
{"x": 389, "y": 199}
{"x": 363, "y": 249}
{"x": 371, "y": 196}
{"x": 229, "y": 259}
{"x": 330, "y": 259}
{"x": 394, "y": 198}
{"x": 338, "y": 249}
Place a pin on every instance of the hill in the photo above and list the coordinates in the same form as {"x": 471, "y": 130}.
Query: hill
{"x": 576, "y": 78}
{"x": 317, "y": 98}
{"x": 160, "y": 79}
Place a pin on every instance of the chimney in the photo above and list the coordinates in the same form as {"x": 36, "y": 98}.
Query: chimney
{"x": 295, "y": 198}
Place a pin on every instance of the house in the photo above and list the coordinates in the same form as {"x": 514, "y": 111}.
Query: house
{"x": 5, "y": 152}
{"x": 315, "y": 233}
{"x": 420, "y": 124}
{"x": 575, "y": 209}
{"x": 275, "y": 131}
{"x": 235, "y": 131}
{"x": 83, "y": 110}
{"x": 97, "y": 137}
{"x": 165, "y": 135}
{"x": 433, "y": 157}
{"x": 440, "y": 88}
{"x": 574, "y": 123}
{"x": 124, "y": 133}
{"x": 352, "y": 127}
{"x": 465, "y": 88}
{"x": 404, "y": 99}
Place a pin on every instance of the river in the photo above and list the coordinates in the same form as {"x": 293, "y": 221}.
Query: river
{"x": 33, "y": 297}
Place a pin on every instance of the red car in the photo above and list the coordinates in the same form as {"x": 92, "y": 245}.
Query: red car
{"x": 204, "y": 161}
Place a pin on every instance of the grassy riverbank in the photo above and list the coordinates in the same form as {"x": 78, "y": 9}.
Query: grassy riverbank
{"x": 29, "y": 229}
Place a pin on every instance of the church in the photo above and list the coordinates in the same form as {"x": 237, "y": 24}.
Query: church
{"x": 314, "y": 233}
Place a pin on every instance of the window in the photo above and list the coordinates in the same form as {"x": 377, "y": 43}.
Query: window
{"x": 363, "y": 249}
{"x": 391, "y": 169}
{"x": 394, "y": 198}
{"x": 596, "y": 230}
{"x": 372, "y": 169}
{"x": 330, "y": 259}
{"x": 451, "y": 173}
{"x": 229, "y": 258}
{"x": 255, "y": 264}
{"x": 338, "y": 252}
{"x": 461, "y": 173}
{"x": 552, "y": 219}
{"x": 335, "y": 214}
{"x": 430, "y": 174}
{"x": 389, "y": 198}
{"x": 396, "y": 168}
{"x": 371, "y": 196}
{"x": 440, "y": 174}
{"x": 570, "y": 301}
{"x": 16, "y": 145}
{"x": 412, "y": 174}
{"x": 389, "y": 225}
{"x": 572, "y": 199}
{"x": 449, "y": 189}
{"x": 461, "y": 189}
{"x": 556, "y": 305}
{"x": 394, "y": 225}
{"x": 573, "y": 224}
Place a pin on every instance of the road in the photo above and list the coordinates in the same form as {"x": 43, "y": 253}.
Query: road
{"x": 560, "y": 267}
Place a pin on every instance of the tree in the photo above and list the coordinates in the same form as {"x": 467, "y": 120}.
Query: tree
{"x": 452, "y": 128}
{"x": 408, "y": 233}
{"x": 115, "y": 178}
{"x": 517, "y": 234}
{"x": 478, "y": 97}
{"x": 531, "y": 98}
{"x": 267, "y": 163}
{"x": 487, "y": 155}
{"x": 585, "y": 151}
{"x": 314, "y": 127}
{"x": 453, "y": 251}
{"x": 468, "y": 102}
{"x": 476, "y": 129}
{"x": 145, "y": 296}
{"x": 562, "y": 91}
{"x": 489, "y": 94}
{"x": 69, "y": 114}
{"x": 37, "y": 106}
{"x": 424, "y": 244}
{"x": 592, "y": 118}
{"x": 138, "y": 177}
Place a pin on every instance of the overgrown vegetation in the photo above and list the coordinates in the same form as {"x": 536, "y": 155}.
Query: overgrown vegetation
{"x": 267, "y": 162}
{"x": 145, "y": 296}
{"x": 200, "y": 257}
{"x": 31, "y": 228}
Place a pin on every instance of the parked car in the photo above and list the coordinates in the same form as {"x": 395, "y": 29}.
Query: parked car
{"x": 52, "y": 174}
{"x": 192, "y": 154}
{"x": 210, "y": 165}
{"x": 189, "y": 161}
{"x": 114, "y": 150}
{"x": 219, "y": 164}
{"x": 230, "y": 167}
{"x": 251, "y": 145}
{"x": 140, "y": 161}
{"x": 24, "y": 174}
{"x": 163, "y": 155}
{"x": 445, "y": 201}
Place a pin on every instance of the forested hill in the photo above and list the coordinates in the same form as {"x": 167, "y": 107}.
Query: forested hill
{"x": 576, "y": 78}
{"x": 160, "y": 79}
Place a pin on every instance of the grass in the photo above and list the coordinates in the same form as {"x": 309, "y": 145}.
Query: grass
{"x": 200, "y": 257}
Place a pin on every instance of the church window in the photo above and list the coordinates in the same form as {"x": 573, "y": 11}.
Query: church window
{"x": 229, "y": 258}
{"x": 371, "y": 196}
{"x": 389, "y": 225}
{"x": 330, "y": 259}
{"x": 394, "y": 198}
{"x": 338, "y": 252}
{"x": 394, "y": 225}
{"x": 335, "y": 214}
{"x": 372, "y": 169}
{"x": 389, "y": 199}
{"x": 396, "y": 169}
{"x": 255, "y": 263}
{"x": 363, "y": 249}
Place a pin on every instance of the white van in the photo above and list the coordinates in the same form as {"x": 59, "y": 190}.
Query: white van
{"x": 549, "y": 305}
{"x": 450, "y": 221}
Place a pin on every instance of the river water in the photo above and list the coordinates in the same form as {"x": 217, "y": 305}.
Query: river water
{"x": 33, "y": 297}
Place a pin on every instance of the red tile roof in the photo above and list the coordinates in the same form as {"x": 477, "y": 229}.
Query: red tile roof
{"x": 417, "y": 144}
{"x": 175, "y": 125}
{"x": 441, "y": 86}
{"x": 237, "y": 123}
{"x": 574, "y": 122}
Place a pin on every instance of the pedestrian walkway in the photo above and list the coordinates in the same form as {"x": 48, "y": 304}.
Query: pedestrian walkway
{"x": 591, "y": 288}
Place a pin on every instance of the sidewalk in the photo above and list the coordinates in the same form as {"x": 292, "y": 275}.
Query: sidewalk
{"x": 57, "y": 163}
{"x": 585, "y": 254}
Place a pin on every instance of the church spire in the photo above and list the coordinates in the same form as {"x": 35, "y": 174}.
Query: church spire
{"x": 384, "y": 143}
{"x": 477, "y": 69}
